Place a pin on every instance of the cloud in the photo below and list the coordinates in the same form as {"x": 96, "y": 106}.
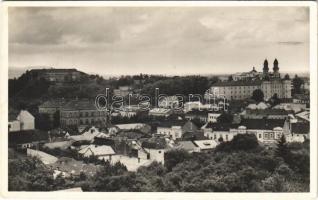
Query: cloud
{"x": 150, "y": 37}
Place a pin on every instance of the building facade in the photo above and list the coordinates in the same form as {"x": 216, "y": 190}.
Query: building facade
{"x": 81, "y": 112}
{"x": 21, "y": 122}
{"x": 269, "y": 83}
{"x": 57, "y": 75}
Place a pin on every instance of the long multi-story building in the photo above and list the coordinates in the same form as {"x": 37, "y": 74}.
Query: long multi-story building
{"x": 81, "y": 112}
{"x": 57, "y": 75}
{"x": 269, "y": 83}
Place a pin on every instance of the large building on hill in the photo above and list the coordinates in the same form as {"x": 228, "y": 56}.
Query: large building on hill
{"x": 269, "y": 82}
{"x": 57, "y": 75}
{"x": 81, "y": 112}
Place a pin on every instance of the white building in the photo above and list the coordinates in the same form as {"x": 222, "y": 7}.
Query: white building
{"x": 161, "y": 112}
{"x": 205, "y": 145}
{"x": 174, "y": 132}
{"x": 212, "y": 117}
{"x": 270, "y": 84}
{"x": 168, "y": 102}
{"x": 21, "y": 122}
{"x": 99, "y": 151}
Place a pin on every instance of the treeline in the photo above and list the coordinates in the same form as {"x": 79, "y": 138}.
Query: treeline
{"x": 231, "y": 167}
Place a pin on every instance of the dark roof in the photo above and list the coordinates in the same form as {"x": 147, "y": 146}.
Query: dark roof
{"x": 198, "y": 112}
{"x": 264, "y": 124}
{"x": 238, "y": 83}
{"x": 154, "y": 143}
{"x": 302, "y": 128}
{"x": 54, "y": 103}
{"x": 220, "y": 126}
{"x": 79, "y": 105}
{"x": 28, "y": 136}
{"x": 169, "y": 123}
{"x": 269, "y": 111}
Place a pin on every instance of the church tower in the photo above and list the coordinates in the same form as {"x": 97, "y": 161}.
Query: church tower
{"x": 265, "y": 67}
{"x": 276, "y": 69}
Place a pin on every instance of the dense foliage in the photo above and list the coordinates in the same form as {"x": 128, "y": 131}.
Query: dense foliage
{"x": 241, "y": 165}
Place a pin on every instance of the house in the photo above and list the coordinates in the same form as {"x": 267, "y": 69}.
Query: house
{"x": 266, "y": 130}
{"x": 202, "y": 115}
{"x": 21, "y": 121}
{"x": 188, "y": 106}
{"x": 219, "y": 131}
{"x": 88, "y": 135}
{"x": 70, "y": 167}
{"x": 168, "y": 102}
{"x": 295, "y": 107}
{"x": 175, "y": 129}
{"x": 303, "y": 116}
{"x": 42, "y": 156}
{"x": 81, "y": 112}
{"x": 205, "y": 145}
{"x": 52, "y": 106}
{"x": 267, "y": 113}
{"x": 57, "y": 75}
{"x": 189, "y": 146}
{"x": 160, "y": 112}
{"x": 144, "y": 128}
{"x": 122, "y": 91}
{"x": 299, "y": 132}
{"x": 213, "y": 116}
{"x": 22, "y": 140}
{"x": 100, "y": 151}
{"x": 151, "y": 149}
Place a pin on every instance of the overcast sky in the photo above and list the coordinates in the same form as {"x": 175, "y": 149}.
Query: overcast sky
{"x": 159, "y": 40}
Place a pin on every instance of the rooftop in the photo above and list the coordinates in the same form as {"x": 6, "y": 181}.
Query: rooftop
{"x": 54, "y": 103}
{"x": 301, "y": 128}
{"x": 79, "y": 105}
{"x": 206, "y": 144}
{"x": 238, "y": 83}
{"x": 262, "y": 124}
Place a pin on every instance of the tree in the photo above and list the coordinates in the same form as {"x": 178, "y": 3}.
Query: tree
{"x": 275, "y": 100}
{"x": 282, "y": 149}
{"x": 239, "y": 142}
{"x": 297, "y": 82}
{"x": 225, "y": 118}
{"x": 173, "y": 157}
{"x": 230, "y": 78}
{"x": 258, "y": 95}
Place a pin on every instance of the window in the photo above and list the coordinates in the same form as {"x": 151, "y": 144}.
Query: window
{"x": 159, "y": 151}
{"x": 259, "y": 135}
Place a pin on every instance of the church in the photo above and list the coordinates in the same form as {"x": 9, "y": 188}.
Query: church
{"x": 270, "y": 83}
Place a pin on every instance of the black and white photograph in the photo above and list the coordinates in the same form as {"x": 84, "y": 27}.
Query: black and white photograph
{"x": 209, "y": 99}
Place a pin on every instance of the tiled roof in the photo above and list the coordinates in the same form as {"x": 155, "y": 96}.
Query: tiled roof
{"x": 262, "y": 124}
{"x": 79, "y": 105}
{"x": 302, "y": 128}
{"x": 187, "y": 145}
{"x": 198, "y": 112}
{"x": 238, "y": 83}
{"x": 154, "y": 143}
{"x": 97, "y": 150}
{"x": 220, "y": 126}
{"x": 57, "y": 103}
